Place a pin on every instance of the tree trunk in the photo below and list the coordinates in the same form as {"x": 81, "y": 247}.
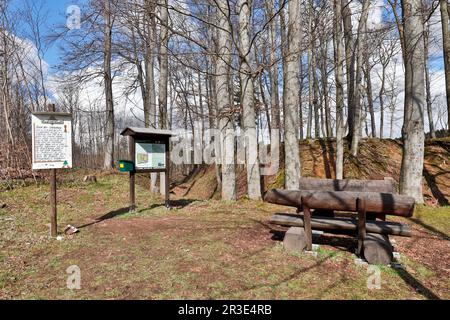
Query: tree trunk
{"x": 247, "y": 102}
{"x": 292, "y": 91}
{"x": 350, "y": 65}
{"x": 140, "y": 73}
{"x": 446, "y": 45}
{"x": 274, "y": 96}
{"x": 164, "y": 64}
{"x": 391, "y": 125}
{"x": 150, "y": 108}
{"x": 315, "y": 96}
{"x": 300, "y": 103}
{"x": 360, "y": 44}
{"x": 163, "y": 77}
{"x": 224, "y": 102}
{"x": 264, "y": 100}
{"x": 149, "y": 60}
{"x": 381, "y": 99}
{"x": 310, "y": 95}
{"x": 339, "y": 59}
{"x": 284, "y": 53}
{"x": 326, "y": 100}
{"x": 109, "y": 134}
{"x": 368, "y": 78}
{"x": 412, "y": 130}
{"x": 310, "y": 79}
{"x": 426, "y": 35}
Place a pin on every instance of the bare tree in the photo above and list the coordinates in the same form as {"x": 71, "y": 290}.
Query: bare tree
{"x": 149, "y": 53}
{"x": 426, "y": 41}
{"x": 224, "y": 101}
{"x": 109, "y": 135}
{"x": 412, "y": 130}
{"x": 355, "y": 133}
{"x": 35, "y": 18}
{"x": 163, "y": 76}
{"x": 387, "y": 49}
{"x": 350, "y": 65}
{"x": 292, "y": 92}
{"x": 164, "y": 64}
{"x": 446, "y": 45}
{"x": 274, "y": 94}
{"x": 248, "y": 108}
{"x": 366, "y": 69}
{"x": 339, "y": 58}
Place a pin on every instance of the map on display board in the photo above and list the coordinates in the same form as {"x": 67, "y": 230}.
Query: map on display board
{"x": 150, "y": 155}
{"x": 51, "y": 140}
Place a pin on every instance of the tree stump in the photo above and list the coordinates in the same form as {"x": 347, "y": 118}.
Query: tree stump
{"x": 378, "y": 249}
{"x": 295, "y": 239}
{"x": 90, "y": 178}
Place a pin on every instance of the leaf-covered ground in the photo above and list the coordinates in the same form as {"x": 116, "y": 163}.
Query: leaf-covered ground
{"x": 200, "y": 249}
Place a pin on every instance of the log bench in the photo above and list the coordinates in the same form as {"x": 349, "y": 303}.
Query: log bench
{"x": 369, "y": 200}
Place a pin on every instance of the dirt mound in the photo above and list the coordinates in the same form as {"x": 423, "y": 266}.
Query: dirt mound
{"x": 377, "y": 159}
{"x": 200, "y": 184}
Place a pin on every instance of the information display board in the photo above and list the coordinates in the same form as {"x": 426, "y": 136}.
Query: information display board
{"x": 150, "y": 155}
{"x": 51, "y": 140}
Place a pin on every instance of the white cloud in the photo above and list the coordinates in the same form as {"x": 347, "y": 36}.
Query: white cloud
{"x": 375, "y": 19}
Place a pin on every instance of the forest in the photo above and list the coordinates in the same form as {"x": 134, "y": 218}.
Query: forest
{"x": 286, "y": 70}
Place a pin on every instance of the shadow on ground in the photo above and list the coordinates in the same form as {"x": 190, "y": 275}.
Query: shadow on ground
{"x": 432, "y": 229}
{"x": 173, "y": 204}
{"x": 416, "y": 284}
{"x": 343, "y": 243}
{"x": 107, "y": 216}
{"x": 437, "y": 193}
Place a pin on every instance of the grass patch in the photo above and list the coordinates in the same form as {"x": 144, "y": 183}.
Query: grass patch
{"x": 435, "y": 219}
{"x": 198, "y": 250}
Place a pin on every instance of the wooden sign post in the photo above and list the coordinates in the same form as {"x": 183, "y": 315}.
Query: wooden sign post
{"x": 149, "y": 151}
{"x": 52, "y": 150}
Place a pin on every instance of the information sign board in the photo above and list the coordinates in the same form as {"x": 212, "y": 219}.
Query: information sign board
{"x": 150, "y": 155}
{"x": 51, "y": 140}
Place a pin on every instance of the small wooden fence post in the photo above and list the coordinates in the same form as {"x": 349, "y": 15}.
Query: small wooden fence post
{"x": 361, "y": 206}
{"x": 307, "y": 225}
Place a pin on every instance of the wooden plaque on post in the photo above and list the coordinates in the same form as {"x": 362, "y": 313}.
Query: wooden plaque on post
{"x": 51, "y": 139}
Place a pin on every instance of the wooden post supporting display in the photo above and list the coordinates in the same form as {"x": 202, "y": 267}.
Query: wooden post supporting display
{"x": 307, "y": 226}
{"x": 361, "y": 205}
{"x": 132, "y": 175}
{"x": 166, "y": 175}
{"x": 53, "y": 214}
{"x": 53, "y": 199}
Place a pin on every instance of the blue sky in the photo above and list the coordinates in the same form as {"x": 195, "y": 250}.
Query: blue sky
{"x": 55, "y": 11}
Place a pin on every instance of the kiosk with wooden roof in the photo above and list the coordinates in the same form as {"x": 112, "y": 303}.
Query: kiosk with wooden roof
{"x": 149, "y": 151}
